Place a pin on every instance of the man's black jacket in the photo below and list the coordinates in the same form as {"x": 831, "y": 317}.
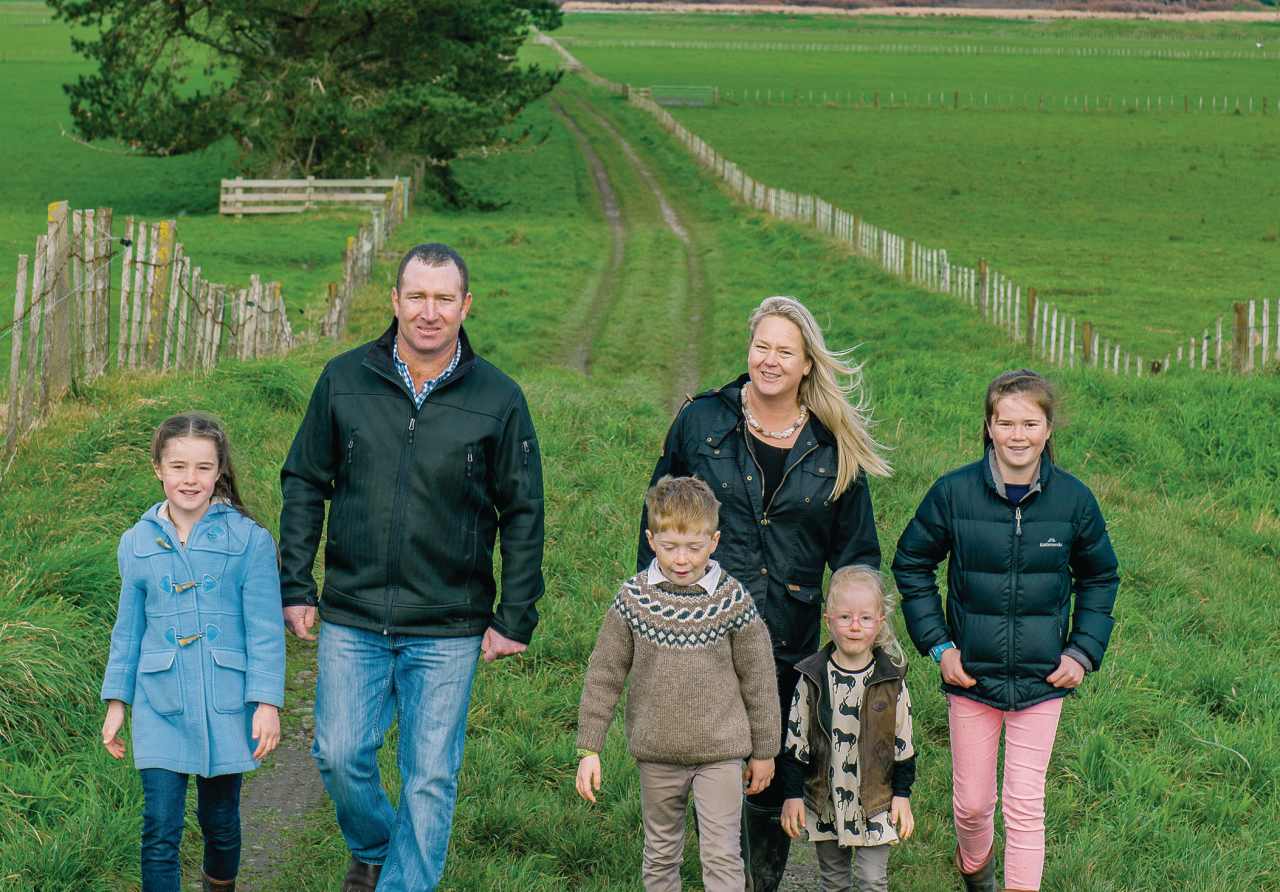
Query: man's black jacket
{"x": 418, "y": 496}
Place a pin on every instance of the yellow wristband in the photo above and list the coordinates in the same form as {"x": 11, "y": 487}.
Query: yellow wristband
{"x": 583, "y": 753}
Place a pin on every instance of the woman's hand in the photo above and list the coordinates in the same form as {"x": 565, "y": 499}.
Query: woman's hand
{"x": 900, "y": 816}
{"x": 793, "y": 817}
{"x": 953, "y": 669}
{"x": 111, "y": 728}
{"x": 757, "y": 775}
{"x": 266, "y": 729}
{"x": 588, "y": 777}
{"x": 1069, "y": 673}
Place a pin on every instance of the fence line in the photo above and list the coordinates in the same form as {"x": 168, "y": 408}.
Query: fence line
{"x": 1031, "y": 100}
{"x": 168, "y": 316}
{"x": 916, "y": 48}
{"x": 1049, "y": 332}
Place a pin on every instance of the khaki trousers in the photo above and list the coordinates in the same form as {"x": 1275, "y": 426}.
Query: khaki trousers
{"x": 870, "y": 867}
{"x": 664, "y": 800}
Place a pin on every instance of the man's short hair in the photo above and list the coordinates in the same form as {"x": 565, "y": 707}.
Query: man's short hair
{"x": 434, "y": 254}
{"x": 682, "y": 505}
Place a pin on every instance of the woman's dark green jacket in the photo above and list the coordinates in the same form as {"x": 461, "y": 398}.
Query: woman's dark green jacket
{"x": 1010, "y": 579}
{"x": 777, "y": 551}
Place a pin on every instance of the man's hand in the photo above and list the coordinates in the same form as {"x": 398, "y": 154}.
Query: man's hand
{"x": 495, "y": 646}
{"x": 757, "y": 775}
{"x": 299, "y": 619}
{"x": 953, "y": 669}
{"x": 793, "y": 817}
{"x": 266, "y": 729}
{"x": 589, "y": 777}
{"x": 111, "y": 728}
{"x": 1069, "y": 673}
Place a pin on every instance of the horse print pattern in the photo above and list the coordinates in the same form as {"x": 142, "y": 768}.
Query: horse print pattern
{"x": 842, "y": 818}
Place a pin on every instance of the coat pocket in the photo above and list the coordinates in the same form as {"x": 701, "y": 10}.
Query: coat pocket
{"x": 158, "y": 678}
{"x": 229, "y": 668}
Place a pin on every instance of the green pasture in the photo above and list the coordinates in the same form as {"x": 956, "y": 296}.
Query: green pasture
{"x": 42, "y": 166}
{"x": 1147, "y": 223}
{"x": 1166, "y": 772}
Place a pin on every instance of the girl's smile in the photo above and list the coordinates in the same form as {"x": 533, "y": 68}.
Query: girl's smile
{"x": 1019, "y": 431}
{"x": 188, "y": 470}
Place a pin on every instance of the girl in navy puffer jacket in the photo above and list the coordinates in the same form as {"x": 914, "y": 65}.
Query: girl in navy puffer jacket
{"x": 198, "y": 650}
{"x": 1031, "y": 581}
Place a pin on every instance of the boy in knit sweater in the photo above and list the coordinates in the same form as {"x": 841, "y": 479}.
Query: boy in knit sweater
{"x": 702, "y": 696}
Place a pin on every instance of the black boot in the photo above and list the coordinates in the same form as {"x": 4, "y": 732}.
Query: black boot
{"x": 211, "y": 885}
{"x": 984, "y": 878}
{"x": 765, "y": 846}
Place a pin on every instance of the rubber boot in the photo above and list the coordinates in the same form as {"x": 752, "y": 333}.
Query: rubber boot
{"x": 765, "y": 846}
{"x": 212, "y": 885}
{"x": 984, "y": 878}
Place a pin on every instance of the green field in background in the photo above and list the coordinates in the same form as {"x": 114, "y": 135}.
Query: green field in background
{"x": 1148, "y": 224}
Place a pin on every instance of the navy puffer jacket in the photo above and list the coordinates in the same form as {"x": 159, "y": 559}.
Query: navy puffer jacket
{"x": 1011, "y": 575}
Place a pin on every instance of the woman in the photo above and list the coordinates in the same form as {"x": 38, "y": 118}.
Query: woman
{"x": 786, "y": 450}
{"x": 1022, "y": 536}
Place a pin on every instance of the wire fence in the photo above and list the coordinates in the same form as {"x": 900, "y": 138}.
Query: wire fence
{"x": 929, "y": 49}
{"x": 1050, "y": 332}
{"x": 88, "y": 302}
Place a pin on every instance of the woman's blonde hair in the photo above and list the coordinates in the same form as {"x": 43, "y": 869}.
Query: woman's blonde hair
{"x": 860, "y": 576}
{"x": 841, "y": 407}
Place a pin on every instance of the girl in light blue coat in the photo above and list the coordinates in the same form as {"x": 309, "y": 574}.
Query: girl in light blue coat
{"x": 198, "y": 650}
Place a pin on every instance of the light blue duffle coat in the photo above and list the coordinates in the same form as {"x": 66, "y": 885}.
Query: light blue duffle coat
{"x": 198, "y": 642}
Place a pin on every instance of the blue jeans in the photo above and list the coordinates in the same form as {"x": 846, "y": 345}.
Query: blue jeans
{"x": 164, "y": 816}
{"x": 365, "y": 679}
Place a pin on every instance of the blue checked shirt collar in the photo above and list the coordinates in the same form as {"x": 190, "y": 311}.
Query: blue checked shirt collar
{"x": 427, "y": 386}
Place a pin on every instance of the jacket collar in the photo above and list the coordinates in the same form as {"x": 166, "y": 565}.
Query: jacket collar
{"x": 991, "y": 473}
{"x": 380, "y": 357}
{"x": 730, "y": 397}
{"x": 884, "y": 668}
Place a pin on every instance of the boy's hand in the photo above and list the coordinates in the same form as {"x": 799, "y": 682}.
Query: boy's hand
{"x": 757, "y": 775}
{"x": 900, "y": 816}
{"x": 266, "y": 729}
{"x": 588, "y": 777}
{"x": 111, "y": 728}
{"x": 793, "y": 817}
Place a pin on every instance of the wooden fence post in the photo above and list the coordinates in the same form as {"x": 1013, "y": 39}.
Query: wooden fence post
{"x": 1031, "y": 318}
{"x": 102, "y": 279}
{"x": 1253, "y": 334}
{"x": 1217, "y": 363}
{"x": 15, "y": 361}
{"x": 1240, "y": 337}
{"x": 35, "y": 315}
{"x": 983, "y": 293}
{"x": 122, "y": 345}
{"x": 170, "y": 320}
{"x": 56, "y": 355}
{"x": 153, "y": 349}
{"x": 76, "y": 259}
{"x": 1088, "y": 342}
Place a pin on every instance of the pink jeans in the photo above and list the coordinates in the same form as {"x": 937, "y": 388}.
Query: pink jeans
{"x": 975, "y": 740}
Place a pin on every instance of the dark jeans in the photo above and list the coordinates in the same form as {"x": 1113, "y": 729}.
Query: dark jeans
{"x": 163, "y": 819}
{"x": 773, "y": 795}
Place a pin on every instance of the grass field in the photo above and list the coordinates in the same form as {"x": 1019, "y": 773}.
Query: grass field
{"x": 1149, "y": 225}
{"x": 41, "y": 166}
{"x": 1166, "y": 773}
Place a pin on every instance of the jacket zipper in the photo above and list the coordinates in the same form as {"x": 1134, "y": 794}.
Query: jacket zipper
{"x": 1013, "y": 598}
{"x": 764, "y": 520}
{"x": 393, "y": 570}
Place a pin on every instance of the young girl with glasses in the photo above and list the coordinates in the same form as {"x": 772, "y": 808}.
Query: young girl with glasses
{"x": 848, "y": 764}
{"x": 1031, "y": 581}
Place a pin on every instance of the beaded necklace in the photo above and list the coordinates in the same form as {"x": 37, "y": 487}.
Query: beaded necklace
{"x": 777, "y": 435}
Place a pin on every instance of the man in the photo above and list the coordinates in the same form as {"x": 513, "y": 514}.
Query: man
{"x": 426, "y": 452}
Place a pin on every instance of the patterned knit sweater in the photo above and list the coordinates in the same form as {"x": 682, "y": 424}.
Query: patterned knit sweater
{"x": 702, "y": 685}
